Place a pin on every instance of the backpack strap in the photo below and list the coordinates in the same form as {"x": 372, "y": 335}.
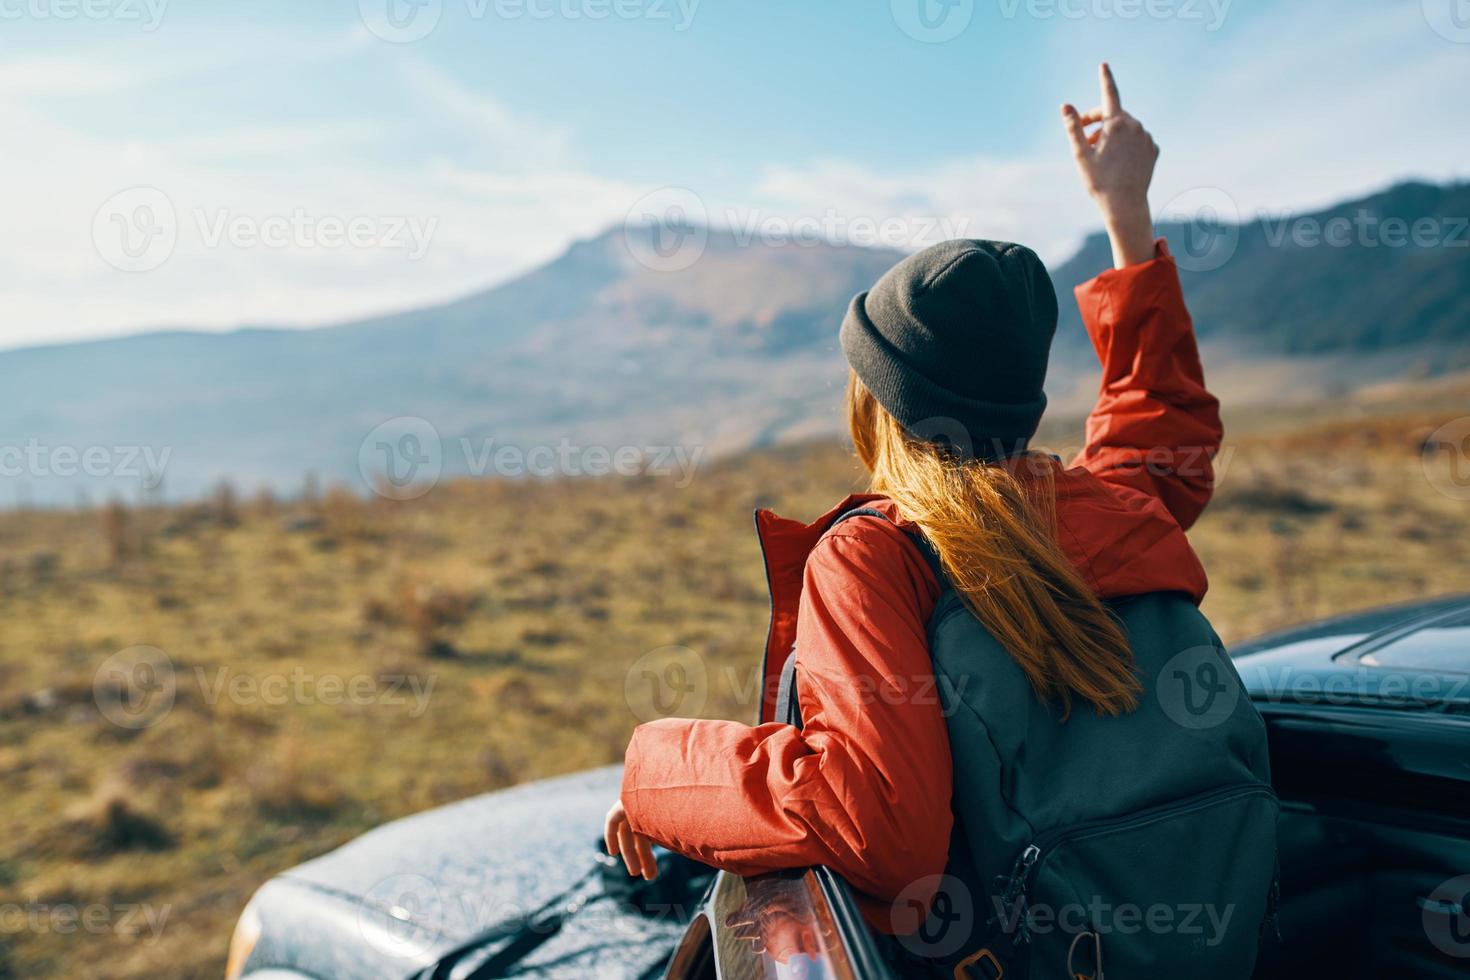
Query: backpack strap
{"x": 788, "y": 708}
{"x": 926, "y": 550}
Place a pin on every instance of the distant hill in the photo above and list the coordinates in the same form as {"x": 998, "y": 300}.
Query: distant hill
{"x": 1279, "y": 293}
{"x": 737, "y": 350}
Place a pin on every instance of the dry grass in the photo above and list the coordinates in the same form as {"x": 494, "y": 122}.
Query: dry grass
{"x": 489, "y": 627}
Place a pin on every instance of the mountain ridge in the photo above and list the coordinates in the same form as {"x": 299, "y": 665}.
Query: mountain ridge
{"x": 737, "y": 349}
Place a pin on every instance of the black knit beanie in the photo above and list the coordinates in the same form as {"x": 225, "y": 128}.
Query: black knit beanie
{"x": 953, "y": 342}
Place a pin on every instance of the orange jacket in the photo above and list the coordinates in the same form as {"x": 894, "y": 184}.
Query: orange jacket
{"x": 864, "y": 786}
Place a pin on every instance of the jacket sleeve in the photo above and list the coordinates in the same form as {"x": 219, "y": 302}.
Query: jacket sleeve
{"x": 864, "y": 786}
{"x": 1154, "y": 428}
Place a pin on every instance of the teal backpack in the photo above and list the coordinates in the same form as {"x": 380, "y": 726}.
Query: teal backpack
{"x": 1131, "y": 848}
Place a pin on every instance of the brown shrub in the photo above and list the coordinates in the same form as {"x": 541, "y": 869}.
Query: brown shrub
{"x": 115, "y": 819}
{"x": 431, "y": 613}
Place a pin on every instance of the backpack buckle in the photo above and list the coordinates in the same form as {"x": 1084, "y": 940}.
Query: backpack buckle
{"x": 986, "y": 966}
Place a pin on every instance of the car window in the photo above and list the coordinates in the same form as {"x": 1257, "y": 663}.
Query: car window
{"x": 776, "y": 926}
{"x": 1441, "y": 648}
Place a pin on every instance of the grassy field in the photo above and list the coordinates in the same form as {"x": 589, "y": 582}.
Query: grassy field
{"x": 334, "y": 663}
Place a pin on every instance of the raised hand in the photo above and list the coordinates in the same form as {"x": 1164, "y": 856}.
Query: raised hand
{"x": 1116, "y": 162}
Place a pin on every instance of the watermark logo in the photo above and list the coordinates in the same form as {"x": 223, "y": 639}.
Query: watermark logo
{"x": 1450, "y": 19}
{"x": 125, "y": 920}
{"x": 1197, "y": 689}
{"x": 147, "y": 14}
{"x": 832, "y": 227}
{"x": 934, "y": 916}
{"x": 669, "y": 682}
{"x": 135, "y": 688}
{"x": 410, "y": 234}
{"x": 402, "y": 916}
{"x": 932, "y": 21}
{"x": 406, "y": 21}
{"x": 39, "y": 460}
{"x": 1365, "y": 229}
{"x": 300, "y": 687}
{"x": 667, "y": 230}
{"x": 1447, "y": 917}
{"x": 400, "y": 21}
{"x": 1211, "y": 228}
{"x": 402, "y": 458}
{"x": 1446, "y": 459}
{"x": 136, "y": 230}
{"x": 1211, "y": 13}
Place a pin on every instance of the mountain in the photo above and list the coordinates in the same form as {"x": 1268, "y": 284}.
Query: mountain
{"x": 1348, "y": 278}
{"x": 604, "y": 348}
{"x": 595, "y": 348}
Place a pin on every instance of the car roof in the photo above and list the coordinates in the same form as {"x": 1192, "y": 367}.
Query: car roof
{"x": 1325, "y": 638}
{"x": 1329, "y": 661}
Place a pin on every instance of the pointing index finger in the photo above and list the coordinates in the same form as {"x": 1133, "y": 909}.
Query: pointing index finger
{"x": 1112, "y": 105}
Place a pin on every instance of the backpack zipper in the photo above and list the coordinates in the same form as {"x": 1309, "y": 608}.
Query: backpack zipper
{"x": 1018, "y": 885}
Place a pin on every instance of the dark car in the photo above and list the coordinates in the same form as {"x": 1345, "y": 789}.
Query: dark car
{"x": 1369, "y": 721}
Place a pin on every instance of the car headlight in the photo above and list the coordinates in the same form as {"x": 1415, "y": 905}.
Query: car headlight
{"x": 242, "y": 943}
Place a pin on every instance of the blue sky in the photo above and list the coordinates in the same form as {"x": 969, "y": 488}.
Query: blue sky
{"x": 511, "y": 127}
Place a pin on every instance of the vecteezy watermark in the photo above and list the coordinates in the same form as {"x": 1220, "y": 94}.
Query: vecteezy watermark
{"x": 932, "y": 21}
{"x": 936, "y": 21}
{"x": 1207, "y": 922}
{"x": 38, "y": 460}
{"x": 1366, "y": 229}
{"x": 1450, "y": 19}
{"x": 1210, "y": 13}
{"x": 835, "y": 228}
{"x": 677, "y": 682}
{"x": 138, "y": 229}
{"x": 297, "y": 686}
{"x": 1447, "y": 917}
{"x": 667, "y": 230}
{"x": 1197, "y": 688}
{"x": 137, "y": 687}
{"x": 147, "y": 14}
{"x": 1445, "y": 457}
{"x": 1359, "y": 682}
{"x": 406, "y": 21}
{"x": 403, "y": 458}
{"x": 409, "y": 234}
{"x": 1211, "y": 228}
{"x": 672, "y": 681}
{"x": 128, "y": 920}
{"x": 402, "y": 916}
{"x": 1207, "y": 224}
{"x": 934, "y": 916}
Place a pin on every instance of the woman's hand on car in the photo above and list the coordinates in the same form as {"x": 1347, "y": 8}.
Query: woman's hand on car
{"x": 1116, "y": 162}
{"x": 635, "y": 849}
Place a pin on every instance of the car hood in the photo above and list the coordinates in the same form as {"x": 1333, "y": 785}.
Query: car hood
{"x": 397, "y": 898}
{"x": 1312, "y": 663}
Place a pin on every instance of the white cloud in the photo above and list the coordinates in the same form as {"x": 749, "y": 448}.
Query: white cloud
{"x": 507, "y": 139}
{"x": 487, "y": 219}
{"x": 1314, "y": 107}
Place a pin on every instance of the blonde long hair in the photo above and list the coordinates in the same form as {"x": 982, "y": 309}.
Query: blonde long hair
{"x": 996, "y": 537}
